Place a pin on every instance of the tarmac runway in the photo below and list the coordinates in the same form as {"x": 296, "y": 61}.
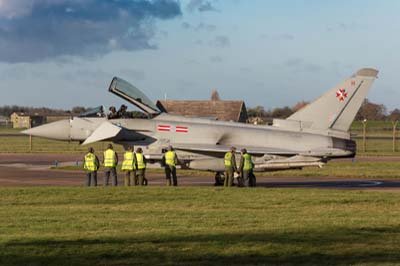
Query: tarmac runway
{"x": 33, "y": 170}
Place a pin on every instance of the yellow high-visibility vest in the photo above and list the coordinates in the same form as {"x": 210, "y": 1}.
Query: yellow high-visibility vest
{"x": 140, "y": 161}
{"x": 110, "y": 159}
{"x": 129, "y": 162}
{"x": 90, "y": 162}
{"x": 248, "y": 164}
{"x": 228, "y": 159}
{"x": 170, "y": 158}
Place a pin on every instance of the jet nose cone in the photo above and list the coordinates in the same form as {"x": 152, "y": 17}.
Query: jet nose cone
{"x": 59, "y": 130}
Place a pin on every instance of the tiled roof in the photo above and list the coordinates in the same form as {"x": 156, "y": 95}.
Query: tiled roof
{"x": 221, "y": 110}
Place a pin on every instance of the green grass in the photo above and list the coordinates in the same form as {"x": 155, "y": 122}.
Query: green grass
{"x": 198, "y": 226}
{"x": 374, "y": 128}
{"x": 377, "y": 170}
{"x": 7, "y": 130}
{"x": 21, "y": 144}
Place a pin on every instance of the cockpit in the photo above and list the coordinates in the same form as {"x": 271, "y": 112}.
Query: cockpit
{"x": 130, "y": 93}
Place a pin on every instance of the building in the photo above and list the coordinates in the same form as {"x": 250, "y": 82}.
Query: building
{"x": 214, "y": 109}
{"x": 4, "y": 121}
{"x": 25, "y": 120}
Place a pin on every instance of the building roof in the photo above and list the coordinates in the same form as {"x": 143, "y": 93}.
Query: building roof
{"x": 220, "y": 110}
{"x": 23, "y": 114}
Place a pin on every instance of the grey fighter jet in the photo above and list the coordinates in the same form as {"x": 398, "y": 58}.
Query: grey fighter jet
{"x": 310, "y": 137}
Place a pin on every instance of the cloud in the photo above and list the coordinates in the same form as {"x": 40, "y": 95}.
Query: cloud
{"x": 280, "y": 37}
{"x": 200, "y": 27}
{"x": 133, "y": 74}
{"x": 200, "y": 5}
{"x": 344, "y": 27}
{"x": 298, "y": 64}
{"x": 220, "y": 41}
{"x": 206, "y": 27}
{"x": 216, "y": 59}
{"x": 186, "y": 25}
{"x": 33, "y": 30}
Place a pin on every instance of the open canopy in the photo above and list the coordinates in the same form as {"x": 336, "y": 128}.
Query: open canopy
{"x": 133, "y": 95}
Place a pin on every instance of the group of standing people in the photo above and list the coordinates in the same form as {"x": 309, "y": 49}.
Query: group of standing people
{"x": 134, "y": 166}
{"x": 245, "y": 169}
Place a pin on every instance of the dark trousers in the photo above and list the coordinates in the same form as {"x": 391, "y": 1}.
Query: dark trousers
{"x": 141, "y": 177}
{"x": 171, "y": 171}
{"x": 91, "y": 179}
{"x": 246, "y": 178}
{"x": 130, "y": 178}
{"x": 229, "y": 171}
{"x": 113, "y": 172}
{"x": 253, "y": 181}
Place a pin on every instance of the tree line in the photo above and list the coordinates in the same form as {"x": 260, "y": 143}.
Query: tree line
{"x": 7, "y": 110}
{"x": 368, "y": 110}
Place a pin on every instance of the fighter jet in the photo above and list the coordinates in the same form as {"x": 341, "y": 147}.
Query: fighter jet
{"x": 311, "y": 136}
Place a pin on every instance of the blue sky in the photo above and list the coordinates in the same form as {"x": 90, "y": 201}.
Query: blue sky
{"x": 64, "y": 53}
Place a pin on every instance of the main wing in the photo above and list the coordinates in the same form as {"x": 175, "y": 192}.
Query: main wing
{"x": 220, "y": 150}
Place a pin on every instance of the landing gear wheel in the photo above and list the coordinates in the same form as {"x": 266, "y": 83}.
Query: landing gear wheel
{"x": 219, "y": 179}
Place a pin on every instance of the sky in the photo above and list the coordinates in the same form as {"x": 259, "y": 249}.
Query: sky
{"x": 64, "y": 53}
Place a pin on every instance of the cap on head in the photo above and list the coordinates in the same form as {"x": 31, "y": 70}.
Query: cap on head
{"x": 109, "y": 146}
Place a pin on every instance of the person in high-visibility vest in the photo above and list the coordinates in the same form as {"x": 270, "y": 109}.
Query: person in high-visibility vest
{"x": 129, "y": 167}
{"x": 230, "y": 167}
{"x": 246, "y": 169}
{"x": 91, "y": 165}
{"x": 141, "y": 167}
{"x": 110, "y": 162}
{"x": 170, "y": 160}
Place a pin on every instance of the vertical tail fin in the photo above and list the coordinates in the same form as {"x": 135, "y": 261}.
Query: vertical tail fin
{"x": 337, "y": 108}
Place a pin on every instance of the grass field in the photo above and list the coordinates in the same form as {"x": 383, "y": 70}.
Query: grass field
{"x": 374, "y": 128}
{"x": 378, "y": 170}
{"x": 21, "y": 144}
{"x": 198, "y": 226}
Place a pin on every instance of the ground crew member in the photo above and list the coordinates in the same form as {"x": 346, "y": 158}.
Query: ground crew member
{"x": 170, "y": 162}
{"x": 110, "y": 162}
{"x": 141, "y": 167}
{"x": 129, "y": 167}
{"x": 230, "y": 167}
{"x": 91, "y": 165}
{"x": 246, "y": 169}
